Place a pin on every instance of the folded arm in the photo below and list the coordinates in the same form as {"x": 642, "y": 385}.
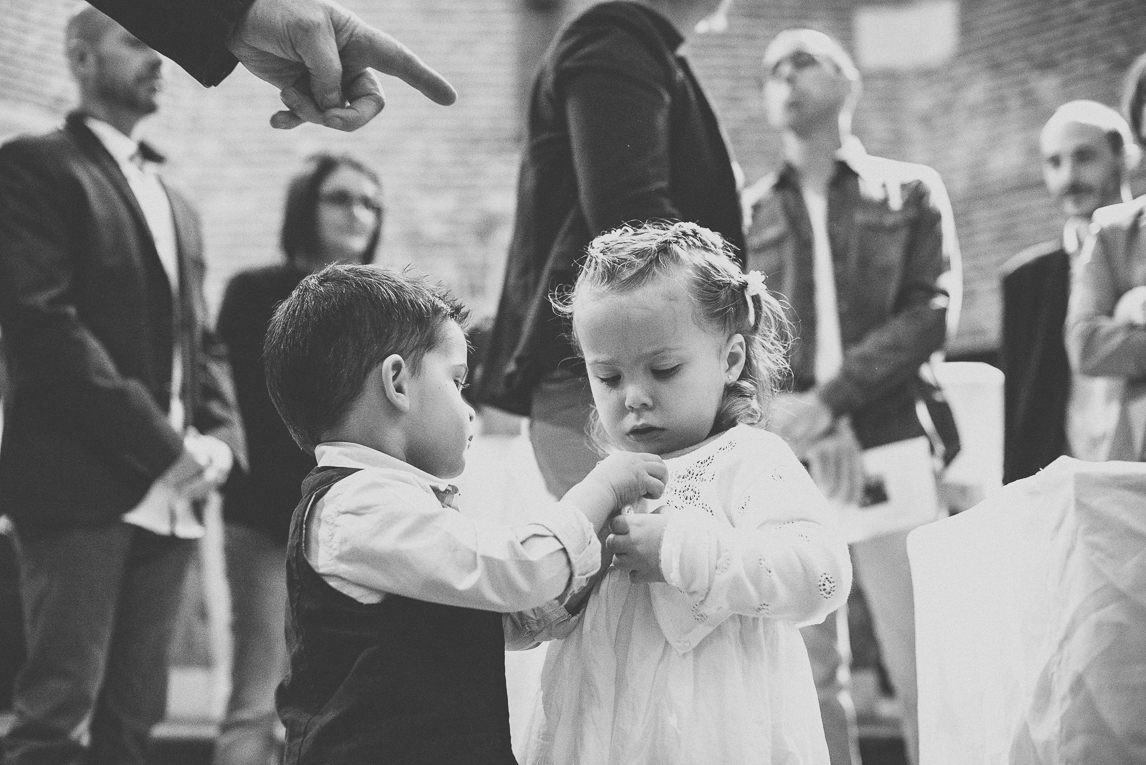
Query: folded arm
{"x": 1099, "y": 341}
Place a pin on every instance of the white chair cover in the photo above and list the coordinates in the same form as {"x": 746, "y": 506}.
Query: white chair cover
{"x": 1031, "y": 622}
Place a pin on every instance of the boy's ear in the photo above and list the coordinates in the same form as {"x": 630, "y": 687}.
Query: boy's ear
{"x": 735, "y": 356}
{"x": 395, "y": 378}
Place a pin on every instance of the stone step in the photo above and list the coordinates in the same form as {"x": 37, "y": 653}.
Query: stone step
{"x": 190, "y": 741}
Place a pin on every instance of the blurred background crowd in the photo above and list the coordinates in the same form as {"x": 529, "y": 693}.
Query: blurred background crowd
{"x": 963, "y": 86}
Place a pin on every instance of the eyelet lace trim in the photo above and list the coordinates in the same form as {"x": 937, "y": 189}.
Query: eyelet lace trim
{"x": 827, "y": 586}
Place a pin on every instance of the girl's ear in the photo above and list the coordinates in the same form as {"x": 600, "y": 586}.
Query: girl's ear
{"x": 735, "y": 355}
{"x": 395, "y": 378}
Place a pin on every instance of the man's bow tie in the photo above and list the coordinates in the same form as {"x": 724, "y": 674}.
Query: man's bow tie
{"x": 146, "y": 153}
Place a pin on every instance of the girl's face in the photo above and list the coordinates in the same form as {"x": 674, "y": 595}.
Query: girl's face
{"x": 657, "y": 376}
{"x": 348, "y": 213}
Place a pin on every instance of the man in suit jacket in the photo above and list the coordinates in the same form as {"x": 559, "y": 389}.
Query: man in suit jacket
{"x": 1086, "y": 150}
{"x": 619, "y": 130}
{"x": 121, "y": 419}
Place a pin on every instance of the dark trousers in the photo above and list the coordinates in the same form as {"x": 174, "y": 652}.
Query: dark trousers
{"x": 100, "y": 606}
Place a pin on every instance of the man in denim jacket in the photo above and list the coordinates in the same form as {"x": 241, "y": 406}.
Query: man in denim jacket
{"x": 863, "y": 250}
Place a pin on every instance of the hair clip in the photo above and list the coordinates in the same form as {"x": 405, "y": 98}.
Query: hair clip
{"x": 753, "y": 286}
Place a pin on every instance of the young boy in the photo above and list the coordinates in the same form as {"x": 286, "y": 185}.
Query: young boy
{"x": 394, "y": 630}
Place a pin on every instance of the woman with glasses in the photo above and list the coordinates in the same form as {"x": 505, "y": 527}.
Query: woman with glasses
{"x": 333, "y": 214}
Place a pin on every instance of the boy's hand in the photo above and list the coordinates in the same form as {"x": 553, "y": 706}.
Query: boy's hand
{"x": 636, "y": 544}
{"x": 618, "y": 480}
{"x": 631, "y": 475}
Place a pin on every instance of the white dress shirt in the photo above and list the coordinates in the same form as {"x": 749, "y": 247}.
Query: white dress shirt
{"x": 391, "y": 528}
{"x": 160, "y": 511}
{"x": 829, "y": 342}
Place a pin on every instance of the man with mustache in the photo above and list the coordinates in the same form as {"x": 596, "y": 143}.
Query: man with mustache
{"x": 121, "y": 418}
{"x": 1106, "y": 319}
{"x": 1086, "y": 149}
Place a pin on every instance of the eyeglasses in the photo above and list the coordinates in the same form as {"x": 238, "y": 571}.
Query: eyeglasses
{"x": 341, "y": 198}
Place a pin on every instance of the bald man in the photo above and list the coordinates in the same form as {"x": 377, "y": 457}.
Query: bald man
{"x": 1086, "y": 150}
{"x": 121, "y": 418}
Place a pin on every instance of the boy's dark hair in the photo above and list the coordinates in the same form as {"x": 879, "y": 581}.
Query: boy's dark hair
{"x": 299, "y": 234}
{"x": 335, "y": 328}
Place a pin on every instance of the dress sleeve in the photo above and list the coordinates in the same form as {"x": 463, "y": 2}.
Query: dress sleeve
{"x": 781, "y": 558}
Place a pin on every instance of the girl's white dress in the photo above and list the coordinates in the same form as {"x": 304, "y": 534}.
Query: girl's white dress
{"x": 709, "y": 667}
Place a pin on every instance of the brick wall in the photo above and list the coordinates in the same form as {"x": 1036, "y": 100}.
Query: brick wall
{"x": 449, "y": 172}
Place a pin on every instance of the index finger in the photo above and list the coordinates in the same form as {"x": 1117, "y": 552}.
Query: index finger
{"x": 382, "y": 52}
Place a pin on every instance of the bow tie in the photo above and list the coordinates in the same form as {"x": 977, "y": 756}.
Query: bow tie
{"x": 144, "y": 153}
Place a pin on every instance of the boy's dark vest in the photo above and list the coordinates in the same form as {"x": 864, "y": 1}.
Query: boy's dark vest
{"x": 401, "y": 681}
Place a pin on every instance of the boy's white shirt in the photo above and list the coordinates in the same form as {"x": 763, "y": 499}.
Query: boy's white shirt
{"x": 393, "y": 529}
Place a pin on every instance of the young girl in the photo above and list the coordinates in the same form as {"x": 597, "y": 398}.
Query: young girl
{"x": 689, "y": 650}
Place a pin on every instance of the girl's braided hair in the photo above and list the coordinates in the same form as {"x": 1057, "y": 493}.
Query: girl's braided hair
{"x": 724, "y": 298}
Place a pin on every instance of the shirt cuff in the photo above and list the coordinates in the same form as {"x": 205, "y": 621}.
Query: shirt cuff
{"x": 231, "y": 11}
{"x": 837, "y": 395}
{"x": 573, "y": 530}
{"x": 526, "y": 629}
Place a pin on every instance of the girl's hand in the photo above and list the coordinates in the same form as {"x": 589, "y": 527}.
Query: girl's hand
{"x": 636, "y": 545}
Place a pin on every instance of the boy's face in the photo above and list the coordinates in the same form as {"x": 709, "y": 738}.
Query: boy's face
{"x": 440, "y": 422}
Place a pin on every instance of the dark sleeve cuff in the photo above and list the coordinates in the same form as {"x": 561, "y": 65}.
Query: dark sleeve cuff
{"x": 837, "y": 396}
{"x": 192, "y": 33}
{"x": 230, "y": 11}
